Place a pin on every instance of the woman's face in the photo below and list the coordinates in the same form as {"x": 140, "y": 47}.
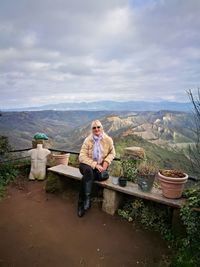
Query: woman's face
{"x": 97, "y": 130}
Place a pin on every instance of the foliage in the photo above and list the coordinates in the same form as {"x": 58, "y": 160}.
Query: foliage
{"x": 129, "y": 169}
{"x": 189, "y": 251}
{"x": 150, "y": 215}
{"x": 194, "y": 150}
{"x": 125, "y": 168}
{"x": 53, "y": 183}
{"x": 2, "y": 191}
{"x": 73, "y": 160}
{"x": 7, "y": 171}
{"x": 147, "y": 168}
{"x": 115, "y": 169}
{"x": 7, "y": 174}
{"x": 4, "y": 146}
{"x": 165, "y": 158}
{"x": 172, "y": 173}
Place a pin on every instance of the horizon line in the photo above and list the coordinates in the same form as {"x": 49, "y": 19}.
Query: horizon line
{"x": 93, "y": 101}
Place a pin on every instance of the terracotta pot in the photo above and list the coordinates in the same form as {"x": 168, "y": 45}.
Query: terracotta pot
{"x": 61, "y": 158}
{"x": 172, "y": 187}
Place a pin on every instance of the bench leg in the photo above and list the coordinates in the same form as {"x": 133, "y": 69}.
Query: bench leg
{"x": 111, "y": 200}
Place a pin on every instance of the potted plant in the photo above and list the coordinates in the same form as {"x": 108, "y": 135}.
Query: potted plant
{"x": 172, "y": 182}
{"x": 146, "y": 172}
{"x": 127, "y": 172}
{"x": 61, "y": 158}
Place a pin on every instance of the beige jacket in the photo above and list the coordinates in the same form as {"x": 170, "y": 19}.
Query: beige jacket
{"x": 86, "y": 152}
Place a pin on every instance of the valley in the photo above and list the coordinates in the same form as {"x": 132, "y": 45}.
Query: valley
{"x": 163, "y": 134}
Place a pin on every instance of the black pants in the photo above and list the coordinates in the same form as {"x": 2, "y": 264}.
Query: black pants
{"x": 89, "y": 175}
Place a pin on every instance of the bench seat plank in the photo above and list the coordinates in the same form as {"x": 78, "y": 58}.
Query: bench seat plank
{"x": 130, "y": 189}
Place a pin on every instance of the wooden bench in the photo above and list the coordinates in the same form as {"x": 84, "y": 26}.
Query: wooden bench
{"x": 111, "y": 192}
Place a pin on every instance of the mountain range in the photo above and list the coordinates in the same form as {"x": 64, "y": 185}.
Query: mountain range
{"x": 20, "y": 127}
{"x": 161, "y": 128}
{"x": 163, "y": 134}
{"x": 113, "y": 106}
{"x": 67, "y": 129}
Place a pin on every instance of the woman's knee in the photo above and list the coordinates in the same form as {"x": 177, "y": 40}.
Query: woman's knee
{"x": 86, "y": 169}
{"x": 89, "y": 173}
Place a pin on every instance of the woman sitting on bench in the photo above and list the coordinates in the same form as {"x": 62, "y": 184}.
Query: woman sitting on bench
{"x": 97, "y": 153}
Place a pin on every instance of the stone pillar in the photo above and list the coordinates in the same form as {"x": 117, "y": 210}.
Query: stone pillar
{"x": 111, "y": 201}
{"x": 178, "y": 227}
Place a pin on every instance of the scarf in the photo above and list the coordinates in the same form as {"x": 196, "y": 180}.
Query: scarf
{"x": 97, "y": 149}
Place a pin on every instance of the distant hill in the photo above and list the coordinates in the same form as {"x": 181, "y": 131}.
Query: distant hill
{"x": 114, "y": 106}
{"x": 21, "y": 126}
{"x": 157, "y": 132}
{"x": 162, "y": 128}
{"x": 67, "y": 129}
{"x": 162, "y": 156}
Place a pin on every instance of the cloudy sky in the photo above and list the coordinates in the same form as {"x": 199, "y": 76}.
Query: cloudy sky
{"x": 54, "y": 51}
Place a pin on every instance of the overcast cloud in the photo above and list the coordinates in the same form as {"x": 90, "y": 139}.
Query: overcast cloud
{"x": 84, "y": 50}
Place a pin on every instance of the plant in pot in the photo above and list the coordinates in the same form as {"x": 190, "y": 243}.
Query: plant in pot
{"x": 115, "y": 171}
{"x": 146, "y": 172}
{"x": 128, "y": 171}
{"x": 60, "y": 158}
{"x": 172, "y": 182}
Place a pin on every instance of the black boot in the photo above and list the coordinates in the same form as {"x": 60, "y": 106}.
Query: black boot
{"x": 81, "y": 210}
{"x": 87, "y": 202}
{"x": 87, "y": 198}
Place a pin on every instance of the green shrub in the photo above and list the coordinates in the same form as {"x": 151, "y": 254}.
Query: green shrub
{"x": 189, "y": 250}
{"x": 129, "y": 169}
{"x": 2, "y": 191}
{"x": 4, "y": 145}
{"x": 7, "y": 174}
{"x": 53, "y": 183}
{"x": 150, "y": 215}
{"x": 186, "y": 249}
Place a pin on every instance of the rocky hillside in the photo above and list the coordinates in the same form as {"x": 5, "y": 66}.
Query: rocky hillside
{"x": 156, "y": 132}
{"x": 67, "y": 129}
{"x": 21, "y": 126}
{"x": 161, "y": 128}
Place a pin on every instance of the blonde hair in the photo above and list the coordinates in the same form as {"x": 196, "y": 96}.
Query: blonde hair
{"x": 96, "y": 123}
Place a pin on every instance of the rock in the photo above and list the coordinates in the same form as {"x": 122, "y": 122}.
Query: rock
{"x": 134, "y": 152}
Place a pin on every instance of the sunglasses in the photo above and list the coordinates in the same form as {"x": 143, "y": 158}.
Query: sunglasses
{"x": 96, "y": 127}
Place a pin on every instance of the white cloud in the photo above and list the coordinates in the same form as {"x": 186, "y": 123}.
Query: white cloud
{"x": 86, "y": 50}
{"x": 29, "y": 40}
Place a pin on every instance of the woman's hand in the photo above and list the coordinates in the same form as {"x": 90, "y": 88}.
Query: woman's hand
{"x": 105, "y": 165}
{"x": 99, "y": 168}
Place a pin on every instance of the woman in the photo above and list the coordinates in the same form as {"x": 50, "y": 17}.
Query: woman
{"x": 97, "y": 153}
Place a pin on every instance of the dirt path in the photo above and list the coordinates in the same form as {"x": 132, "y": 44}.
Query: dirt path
{"x": 43, "y": 230}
